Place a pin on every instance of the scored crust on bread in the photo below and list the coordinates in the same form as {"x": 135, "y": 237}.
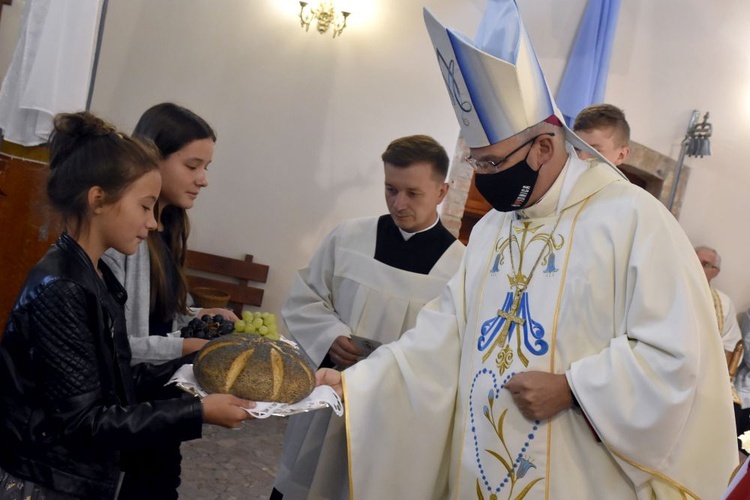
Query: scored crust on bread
{"x": 254, "y": 368}
{"x": 236, "y": 368}
{"x": 277, "y": 368}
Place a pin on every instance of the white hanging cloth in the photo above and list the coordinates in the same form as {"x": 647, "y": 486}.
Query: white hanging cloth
{"x": 51, "y": 67}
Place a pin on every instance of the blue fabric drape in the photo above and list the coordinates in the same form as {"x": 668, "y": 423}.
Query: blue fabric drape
{"x": 585, "y": 77}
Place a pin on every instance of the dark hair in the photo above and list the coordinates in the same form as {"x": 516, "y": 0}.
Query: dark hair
{"x": 170, "y": 128}
{"x": 602, "y": 116}
{"x": 86, "y": 151}
{"x": 406, "y": 151}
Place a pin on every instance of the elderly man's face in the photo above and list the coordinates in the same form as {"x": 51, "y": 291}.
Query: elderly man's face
{"x": 709, "y": 262}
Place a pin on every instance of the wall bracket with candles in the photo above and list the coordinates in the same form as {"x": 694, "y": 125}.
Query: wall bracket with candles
{"x": 697, "y": 143}
{"x": 325, "y": 14}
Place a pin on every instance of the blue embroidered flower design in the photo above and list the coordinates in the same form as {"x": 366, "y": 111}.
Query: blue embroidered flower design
{"x": 550, "y": 269}
{"x": 524, "y": 464}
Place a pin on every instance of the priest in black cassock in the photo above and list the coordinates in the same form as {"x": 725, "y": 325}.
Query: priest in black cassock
{"x": 368, "y": 279}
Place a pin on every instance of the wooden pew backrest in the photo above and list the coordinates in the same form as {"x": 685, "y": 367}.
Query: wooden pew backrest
{"x": 241, "y": 274}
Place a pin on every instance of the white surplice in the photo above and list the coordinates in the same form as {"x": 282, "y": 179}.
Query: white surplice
{"x": 726, "y": 317}
{"x": 618, "y": 304}
{"x": 345, "y": 291}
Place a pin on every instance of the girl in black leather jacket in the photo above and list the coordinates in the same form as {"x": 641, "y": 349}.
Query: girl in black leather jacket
{"x": 68, "y": 395}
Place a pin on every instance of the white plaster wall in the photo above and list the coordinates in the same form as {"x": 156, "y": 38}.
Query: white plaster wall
{"x": 303, "y": 118}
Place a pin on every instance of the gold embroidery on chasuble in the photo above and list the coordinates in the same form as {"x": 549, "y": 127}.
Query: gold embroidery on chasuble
{"x": 718, "y": 309}
{"x": 514, "y": 315}
{"x": 513, "y": 325}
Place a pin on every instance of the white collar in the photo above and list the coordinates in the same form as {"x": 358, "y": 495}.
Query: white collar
{"x": 407, "y": 235}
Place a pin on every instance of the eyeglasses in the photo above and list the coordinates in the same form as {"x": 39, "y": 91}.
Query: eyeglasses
{"x": 708, "y": 265}
{"x": 493, "y": 167}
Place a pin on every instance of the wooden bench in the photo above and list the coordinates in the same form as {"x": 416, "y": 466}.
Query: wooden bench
{"x": 241, "y": 273}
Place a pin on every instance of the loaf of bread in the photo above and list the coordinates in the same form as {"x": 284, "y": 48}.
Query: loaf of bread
{"x": 255, "y": 368}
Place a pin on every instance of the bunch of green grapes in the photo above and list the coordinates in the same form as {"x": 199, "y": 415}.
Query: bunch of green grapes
{"x": 258, "y": 323}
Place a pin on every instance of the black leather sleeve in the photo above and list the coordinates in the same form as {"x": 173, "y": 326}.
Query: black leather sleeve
{"x": 134, "y": 426}
{"x": 62, "y": 341}
{"x": 150, "y": 378}
{"x": 66, "y": 362}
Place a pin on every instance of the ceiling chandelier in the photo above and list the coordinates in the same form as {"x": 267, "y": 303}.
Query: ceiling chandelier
{"x": 325, "y": 14}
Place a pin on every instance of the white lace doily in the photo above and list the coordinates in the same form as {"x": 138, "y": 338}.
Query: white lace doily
{"x": 321, "y": 397}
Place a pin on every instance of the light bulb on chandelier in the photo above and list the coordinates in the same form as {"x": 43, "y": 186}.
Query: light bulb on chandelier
{"x": 325, "y": 14}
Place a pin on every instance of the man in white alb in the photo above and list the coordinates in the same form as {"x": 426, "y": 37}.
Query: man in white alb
{"x": 574, "y": 355}
{"x": 731, "y": 334}
{"x": 726, "y": 315}
{"x": 368, "y": 279}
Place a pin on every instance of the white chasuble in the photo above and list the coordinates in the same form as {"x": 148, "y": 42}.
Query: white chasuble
{"x": 616, "y": 302}
{"x": 513, "y": 332}
{"x": 345, "y": 291}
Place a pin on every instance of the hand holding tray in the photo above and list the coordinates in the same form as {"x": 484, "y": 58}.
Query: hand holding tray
{"x": 321, "y": 397}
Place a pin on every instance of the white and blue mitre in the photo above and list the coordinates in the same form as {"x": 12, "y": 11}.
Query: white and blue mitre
{"x": 495, "y": 83}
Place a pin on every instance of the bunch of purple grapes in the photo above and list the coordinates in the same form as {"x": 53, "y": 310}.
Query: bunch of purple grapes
{"x": 207, "y": 327}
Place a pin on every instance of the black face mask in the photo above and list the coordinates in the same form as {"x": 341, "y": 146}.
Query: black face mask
{"x": 509, "y": 189}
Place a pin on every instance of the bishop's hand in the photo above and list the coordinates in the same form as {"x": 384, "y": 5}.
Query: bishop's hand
{"x": 329, "y": 376}
{"x": 540, "y": 395}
